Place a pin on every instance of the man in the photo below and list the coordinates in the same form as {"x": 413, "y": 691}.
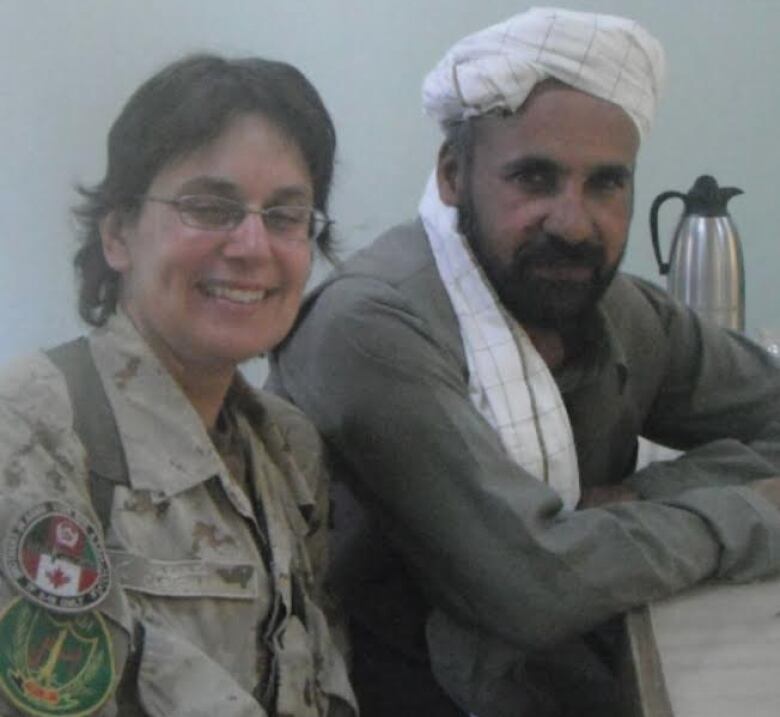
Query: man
{"x": 483, "y": 374}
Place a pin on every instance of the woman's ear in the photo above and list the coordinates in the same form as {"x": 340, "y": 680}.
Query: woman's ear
{"x": 448, "y": 175}
{"x": 114, "y": 240}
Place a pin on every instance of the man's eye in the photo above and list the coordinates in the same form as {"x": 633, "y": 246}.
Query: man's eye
{"x": 535, "y": 180}
{"x": 609, "y": 181}
{"x": 210, "y": 213}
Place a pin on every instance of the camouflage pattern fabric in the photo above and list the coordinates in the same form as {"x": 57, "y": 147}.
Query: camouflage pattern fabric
{"x": 223, "y": 576}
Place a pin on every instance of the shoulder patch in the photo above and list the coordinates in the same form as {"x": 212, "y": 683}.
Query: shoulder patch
{"x": 55, "y": 557}
{"x": 54, "y": 664}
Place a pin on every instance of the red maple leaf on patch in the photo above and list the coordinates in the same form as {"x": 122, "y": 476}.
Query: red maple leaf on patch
{"x": 57, "y": 577}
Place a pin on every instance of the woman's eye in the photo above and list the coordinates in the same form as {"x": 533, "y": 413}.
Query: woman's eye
{"x": 209, "y": 213}
{"x": 287, "y": 218}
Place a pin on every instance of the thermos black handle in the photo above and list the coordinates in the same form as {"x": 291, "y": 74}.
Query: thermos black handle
{"x": 663, "y": 266}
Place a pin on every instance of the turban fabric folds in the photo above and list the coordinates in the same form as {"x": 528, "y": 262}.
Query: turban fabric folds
{"x": 610, "y": 57}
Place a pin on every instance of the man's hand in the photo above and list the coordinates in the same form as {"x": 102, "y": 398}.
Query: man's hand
{"x": 769, "y": 488}
{"x": 602, "y": 495}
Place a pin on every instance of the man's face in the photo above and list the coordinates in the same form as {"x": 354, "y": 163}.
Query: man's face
{"x": 546, "y": 202}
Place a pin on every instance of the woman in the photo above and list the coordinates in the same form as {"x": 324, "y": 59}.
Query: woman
{"x": 163, "y": 524}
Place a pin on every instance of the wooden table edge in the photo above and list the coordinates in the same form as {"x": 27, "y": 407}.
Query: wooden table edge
{"x": 647, "y": 693}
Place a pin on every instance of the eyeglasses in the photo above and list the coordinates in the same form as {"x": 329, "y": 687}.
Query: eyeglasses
{"x": 211, "y": 213}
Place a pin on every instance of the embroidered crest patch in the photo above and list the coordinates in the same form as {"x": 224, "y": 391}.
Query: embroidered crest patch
{"x": 55, "y": 557}
{"x": 53, "y": 664}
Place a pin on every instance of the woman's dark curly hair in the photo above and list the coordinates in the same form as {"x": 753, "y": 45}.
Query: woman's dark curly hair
{"x": 180, "y": 109}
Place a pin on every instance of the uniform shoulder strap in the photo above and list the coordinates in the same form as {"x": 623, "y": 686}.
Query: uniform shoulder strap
{"x": 93, "y": 421}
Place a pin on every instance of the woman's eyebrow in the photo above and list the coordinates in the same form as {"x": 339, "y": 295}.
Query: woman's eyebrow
{"x": 295, "y": 194}
{"x": 206, "y": 184}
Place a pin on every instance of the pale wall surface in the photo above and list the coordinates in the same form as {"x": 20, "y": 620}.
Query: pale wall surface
{"x": 69, "y": 65}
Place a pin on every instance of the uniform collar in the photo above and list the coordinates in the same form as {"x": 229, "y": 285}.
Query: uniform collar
{"x": 167, "y": 447}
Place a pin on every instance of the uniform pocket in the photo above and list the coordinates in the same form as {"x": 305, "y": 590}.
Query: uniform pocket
{"x": 204, "y": 688}
{"x": 200, "y": 651}
{"x": 185, "y": 578}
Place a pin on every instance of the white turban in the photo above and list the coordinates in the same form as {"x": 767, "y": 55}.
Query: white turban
{"x": 606, "y": 56}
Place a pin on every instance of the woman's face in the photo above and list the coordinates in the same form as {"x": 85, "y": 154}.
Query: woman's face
{"x": 205, "y": 298}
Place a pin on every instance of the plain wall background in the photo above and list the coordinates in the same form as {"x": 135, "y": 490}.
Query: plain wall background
{"x": 69, "y": 66}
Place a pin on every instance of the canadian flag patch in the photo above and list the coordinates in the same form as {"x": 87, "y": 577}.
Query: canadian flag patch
{"x": 55, "y": 556}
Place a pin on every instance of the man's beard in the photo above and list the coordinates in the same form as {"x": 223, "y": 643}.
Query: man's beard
{"x": 533, "y": 299}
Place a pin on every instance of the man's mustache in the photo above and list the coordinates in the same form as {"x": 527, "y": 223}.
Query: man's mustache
{"x": 543, "y": 249}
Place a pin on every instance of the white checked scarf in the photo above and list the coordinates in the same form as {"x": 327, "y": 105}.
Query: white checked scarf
{"x": 509, "y": 382}
{"x": 604, "y": 55}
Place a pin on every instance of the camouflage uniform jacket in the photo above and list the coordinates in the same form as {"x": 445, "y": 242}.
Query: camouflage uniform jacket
{"x": 206, "y": 624}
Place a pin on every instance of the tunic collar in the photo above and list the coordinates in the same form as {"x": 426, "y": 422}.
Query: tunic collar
{"x": 602, "y": 347}
{"x": 167, "y": 447}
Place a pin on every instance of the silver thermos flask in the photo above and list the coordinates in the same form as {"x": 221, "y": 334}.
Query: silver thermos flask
{"x": 705, "y": 268}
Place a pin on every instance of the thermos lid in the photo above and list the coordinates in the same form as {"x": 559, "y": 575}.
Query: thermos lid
{"x": 704, "y": 199}
{"x": 707, "y": 199}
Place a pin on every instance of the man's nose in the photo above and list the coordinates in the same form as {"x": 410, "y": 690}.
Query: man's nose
{"x": 251, "y": 238}
{"x": 569, "y": 217}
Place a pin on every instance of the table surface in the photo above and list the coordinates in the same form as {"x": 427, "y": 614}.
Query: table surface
{"x": 710, "y": 652}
